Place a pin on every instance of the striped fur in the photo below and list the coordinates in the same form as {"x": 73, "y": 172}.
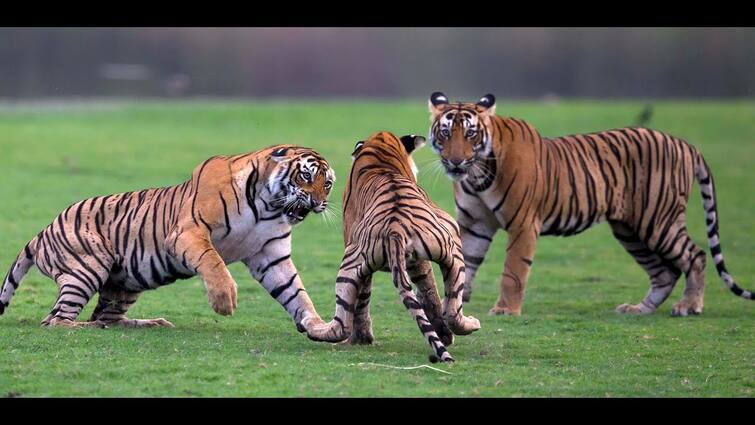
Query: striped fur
{"x": 507, "y": 177}
{"x": 390, "y": 224}
{"x": 234, "y": 208}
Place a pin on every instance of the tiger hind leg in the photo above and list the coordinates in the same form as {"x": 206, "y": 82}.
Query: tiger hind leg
{"x": 689, "y": 257}
{"x": 76, "y": 288}
{"x": 676, "y": 247}
{"x": 440, "y": 353}
{"x": 112, "y": 306}
{"x": 453, "y": 312}
{"x": 421, "y": 275}
{"x": 395, "y": 243}
{"x": 663, "y": 274}
{"x": 362, "y": 331}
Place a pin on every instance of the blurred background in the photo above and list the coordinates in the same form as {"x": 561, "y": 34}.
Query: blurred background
{"x": 376, "y": 62}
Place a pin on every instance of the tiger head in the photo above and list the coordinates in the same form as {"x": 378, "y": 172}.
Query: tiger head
{"x": 460, "y": 133}
{"x": 300, "y": 182}
{"x": 390, "y": 150}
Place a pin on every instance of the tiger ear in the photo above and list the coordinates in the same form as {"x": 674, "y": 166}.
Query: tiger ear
{"x": 437, "y": 103}
{"x": 487, "y": 102}
{"x": 412, "y": 142}
{"x": 279, "y": 154}
{"x": 358, "y": 146}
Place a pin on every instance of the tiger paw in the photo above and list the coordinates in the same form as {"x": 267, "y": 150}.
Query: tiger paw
{"x": 327, "y": 332}
{"x": 68, "y": 323}
{"x": 361, "y": 337}
{"x": 465, "y": 326}
{"x": 145, "y": 323}
{"x": 223, "y": 301}
{"x": 471, "y": 324}
{"x": 496, "y": 310}
{"x": 309, "y": 322}
{"x": 633, "y": 309}
{"x": 157, "y": 323}
{"x": 445, "y": 357}
{"x": 685, "y": 307}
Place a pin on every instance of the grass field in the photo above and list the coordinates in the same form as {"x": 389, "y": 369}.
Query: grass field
{"x": 568, "y": 342}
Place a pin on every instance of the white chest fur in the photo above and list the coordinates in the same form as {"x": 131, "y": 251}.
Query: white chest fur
{"x": 248, "y": 237}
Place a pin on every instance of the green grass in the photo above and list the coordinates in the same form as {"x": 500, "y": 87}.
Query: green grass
{"x": 568, "y": 342}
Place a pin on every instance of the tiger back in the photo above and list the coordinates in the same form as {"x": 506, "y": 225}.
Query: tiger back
{"x": 390, "y": 224}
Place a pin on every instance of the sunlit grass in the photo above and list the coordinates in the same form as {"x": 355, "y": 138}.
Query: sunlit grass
{"x": 568, "y": 342}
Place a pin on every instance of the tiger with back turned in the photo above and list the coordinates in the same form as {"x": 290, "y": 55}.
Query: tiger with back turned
{"x": 508, "y": 177}
{"x": 390, "y": 224}
{"x": 234, "y": 208}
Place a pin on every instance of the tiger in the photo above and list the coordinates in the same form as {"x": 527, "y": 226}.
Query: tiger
{"x": 506, "y": 176}
{"x": 233, "y": 208}
{"x": 390, "y": 224}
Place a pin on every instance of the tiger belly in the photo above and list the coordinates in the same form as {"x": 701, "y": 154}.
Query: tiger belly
{"x": 247, "y": 238}
{"x": 563, "y": 220}
{"x": 155, "y": 270}
{"x": 151, "y": 273}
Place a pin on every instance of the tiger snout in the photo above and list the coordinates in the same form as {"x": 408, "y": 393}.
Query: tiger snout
{"x": 456, "y": 168}
{"x": 318, "y": 208}
{"x": 314, "y": 204}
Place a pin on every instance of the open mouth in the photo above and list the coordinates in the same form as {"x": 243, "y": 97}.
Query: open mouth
{"x": 456, "y": 173}
{"x": 296, "y": 214}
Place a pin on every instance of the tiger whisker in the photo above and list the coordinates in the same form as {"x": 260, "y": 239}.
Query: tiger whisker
{"x": 486, "y": 173}
{"x": 439, "y": 170}
{"x": 328, "y": 218}
{"x": 335, "y": 212}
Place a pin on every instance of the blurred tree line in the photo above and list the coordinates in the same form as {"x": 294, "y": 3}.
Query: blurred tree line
{"x": 377, "y": 62}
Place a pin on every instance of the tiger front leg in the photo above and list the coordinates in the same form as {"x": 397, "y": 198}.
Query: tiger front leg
{"x": 278, "y": 275}
{"x": 195, "y": 247}
{"x": 348, "y": 282}
{"x": 476, "y": 240}
{"x": 519, "y": 256}
{"x": 453, "y": 312}
{"x": 477, "y": 227}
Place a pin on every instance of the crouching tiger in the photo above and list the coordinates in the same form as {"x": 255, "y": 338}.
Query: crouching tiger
{"x": 234, "y": 208}
{"x": 639, "y": 180}
{"x": 390, "y": 224}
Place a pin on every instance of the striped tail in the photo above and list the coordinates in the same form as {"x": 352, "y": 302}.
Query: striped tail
{"x": 708, "y": 192}
{"x": 17, "y": 271}
{"x": 396, "y": 244}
